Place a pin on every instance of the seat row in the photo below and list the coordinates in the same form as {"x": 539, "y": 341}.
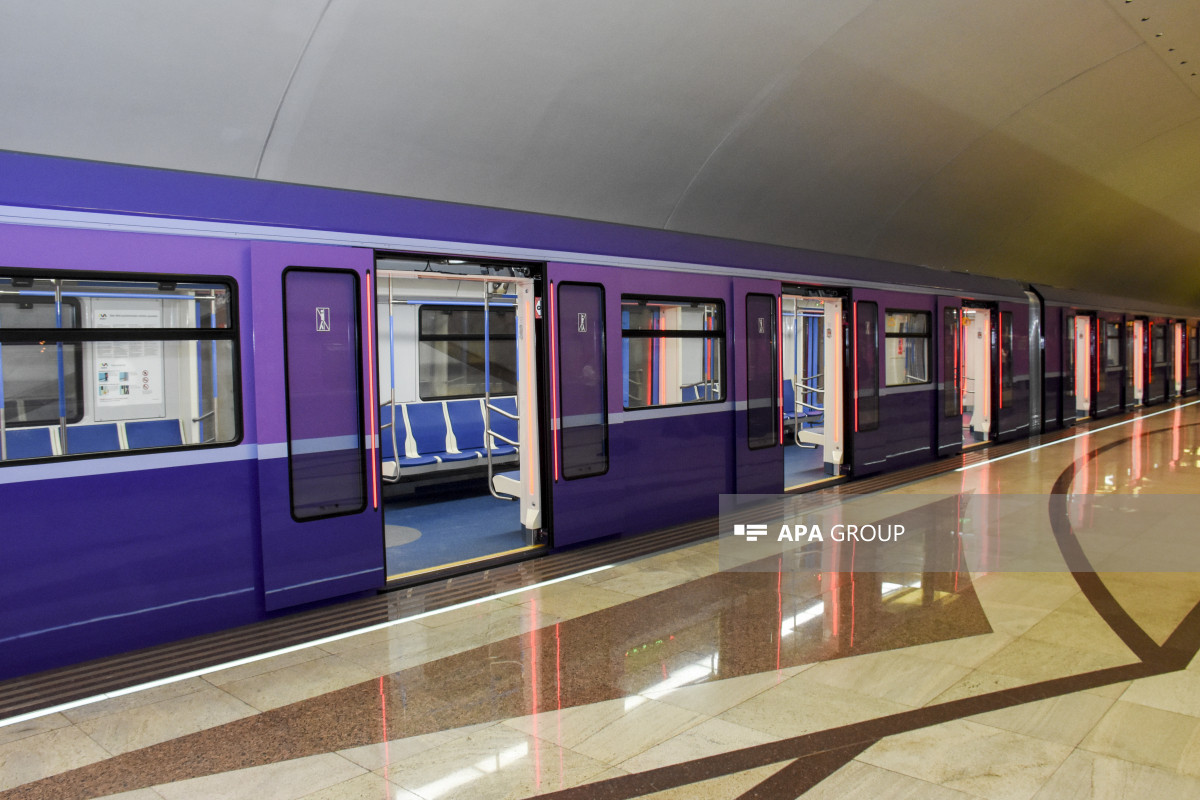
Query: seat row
{"x": 443, "y": 432}
{"x": 100, "y": 437}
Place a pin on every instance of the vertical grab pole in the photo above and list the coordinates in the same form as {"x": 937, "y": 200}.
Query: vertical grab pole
{"x": 216, "y": 406}
{"x": 199, "y": 378}
{"x": 62, "y": 386}
{"x": 392, "y": 371}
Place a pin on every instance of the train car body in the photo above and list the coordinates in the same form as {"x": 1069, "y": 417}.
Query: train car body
{"x": 226, "y": 399}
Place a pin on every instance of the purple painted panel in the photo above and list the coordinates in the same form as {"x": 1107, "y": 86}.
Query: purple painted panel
{"x": 324, "y": 403}
{"x": 315, "y": 558}
{"x": 48, "y": 182}
{"x": 754, "y": 375}
{"x": 948, "y": 409}
{"x": 82, "y": 583}
{"x": 665, "y": 465}
{"x": 1013, "y": 342}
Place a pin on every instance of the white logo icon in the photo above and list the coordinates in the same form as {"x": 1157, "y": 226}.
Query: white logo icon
{"x": 322, "y": 319}
{"x": 583, "y": 323}
{"x": 751, "y": 532}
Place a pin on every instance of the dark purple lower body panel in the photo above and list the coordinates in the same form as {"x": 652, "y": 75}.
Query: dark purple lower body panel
{"x": 662, "y": 471}
{"x": 103, "y": 564}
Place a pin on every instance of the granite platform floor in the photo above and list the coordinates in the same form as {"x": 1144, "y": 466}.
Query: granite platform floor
{"x": 668, "y": 677}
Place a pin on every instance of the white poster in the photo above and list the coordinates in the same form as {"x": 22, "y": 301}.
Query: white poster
{"x": 128, "y": 376}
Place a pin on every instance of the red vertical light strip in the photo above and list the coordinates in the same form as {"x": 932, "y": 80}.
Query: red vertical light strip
{"x": 779, "y": 630}
{"x": 373, "y": 392}
{"x": 854, "y": 338}
{"x": 779, "y": 362}
{"x": 383, "y": 713}
{"x": 562, "y": 770}
{"x": 533, "y": 692}
{"x": 554, "y": 409}
{"x": 853, "y": 590}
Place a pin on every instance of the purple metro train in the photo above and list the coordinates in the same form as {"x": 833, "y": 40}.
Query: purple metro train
{"x": 224, "y": 399}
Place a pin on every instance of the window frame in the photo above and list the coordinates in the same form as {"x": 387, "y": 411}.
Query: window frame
{"x": 927, "y": 337}
{"x": 859, "y": 425}
{"x": 776, "y": 432}
{"x": 603, "y": 378}
{"x": 80, "y": 335}
{"x": 719, "y": 335}
{"x": 461, "y": 337}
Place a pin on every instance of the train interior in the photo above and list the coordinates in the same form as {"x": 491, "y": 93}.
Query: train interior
{"x": 812, "y": 389}
{"x": 136, "y": 392}
{"x": 977, "y": 375}
{"x": 456, "y": 390}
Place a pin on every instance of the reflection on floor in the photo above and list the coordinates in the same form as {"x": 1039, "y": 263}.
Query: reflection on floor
{"x": 667, "y": 678}
{"x": 420, "y": 533}
{"x": 802, "y": 465}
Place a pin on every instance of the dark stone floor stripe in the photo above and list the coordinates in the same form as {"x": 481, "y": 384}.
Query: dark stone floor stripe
{"x": 804, "y": 773}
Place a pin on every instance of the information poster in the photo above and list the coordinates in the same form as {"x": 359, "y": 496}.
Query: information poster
{"x": 128, "y": 376}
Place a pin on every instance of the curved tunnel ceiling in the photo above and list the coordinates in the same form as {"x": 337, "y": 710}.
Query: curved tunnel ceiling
{"x": 1052, "y": 142}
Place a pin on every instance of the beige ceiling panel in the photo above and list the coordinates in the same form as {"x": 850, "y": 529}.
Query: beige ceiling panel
{"x": 979, "y": 59}
{"x": 188, "y": 84}
{"x": 1107, "y": 112}
{"x": 599, "y": 110}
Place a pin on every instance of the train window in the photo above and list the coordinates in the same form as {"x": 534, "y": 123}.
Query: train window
{"x": 452, "y": 351}
{"x": 866, "y": 366}
{"x": 762, "y": 378}
{"x": 673, "y": 351}
{"x": 1006, "y": 359}
{"x": 1069, "y": 358}
{"x": 29, "y": 377}
{"x": 92, "y": 365}
{"x": 951, "y": 332}
{"x": 1158, "y": 344}
{"x": 1112, "y": 345}
{"x": 1193, "y": 345}
{"x": 907, "y": 347}
{"x": 582, "y": 380}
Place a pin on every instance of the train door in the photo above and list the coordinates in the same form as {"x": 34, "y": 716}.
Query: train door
{"x": 319, "y": 497}
{"x": 1135, "y": 363}
{"x": 814, "y": 408}
{"x": 1037, "y": 366}
{"x": 1084, "y": 363}
{"x": 755, "y": 375}
{"x": 1157, "y": 355}
{"x": 457, "y": 396}
{"x": 1067, "y": 343}
{"x": 978, "y": 334}
{"x": 1109, "y": 355}
{"x": 949, "y": 412}
{"x": 1192, "y": 378}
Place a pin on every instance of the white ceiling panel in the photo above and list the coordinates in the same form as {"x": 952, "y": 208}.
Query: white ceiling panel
{"x": 1049, "y": 141}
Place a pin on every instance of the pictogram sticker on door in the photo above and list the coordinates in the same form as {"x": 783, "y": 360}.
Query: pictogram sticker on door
{"x": 322, "y": 319}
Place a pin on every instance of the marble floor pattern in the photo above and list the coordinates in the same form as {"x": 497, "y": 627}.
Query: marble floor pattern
{"x": 666, "y": 677}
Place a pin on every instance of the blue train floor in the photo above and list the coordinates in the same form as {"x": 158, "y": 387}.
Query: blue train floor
{"x": 423, "y": 533}
{"x": 802, "y": 465}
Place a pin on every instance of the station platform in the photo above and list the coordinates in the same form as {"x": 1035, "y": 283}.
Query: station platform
{"x": 639, "y": 668}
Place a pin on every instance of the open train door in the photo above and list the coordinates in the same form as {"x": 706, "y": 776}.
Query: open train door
{"x": 1084, "y": 334}
{"x": 319, "y": 496}
{"x": 755, "y": 360}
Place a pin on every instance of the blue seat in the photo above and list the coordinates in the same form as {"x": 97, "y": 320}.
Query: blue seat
{"x": 29, "y": 443}
{"x": 789, "y": 400}
{"x": 427, "y": 424}
{"x": 504, "y": 426}
{"x": 153, "y": 433}
{"x": 466, "y": 421}
{"x": 99, "y": 438}
{"x": 385, "y": 446}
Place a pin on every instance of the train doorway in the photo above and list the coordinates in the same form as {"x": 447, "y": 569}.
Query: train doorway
{"x": 1084, "y": 381}
{"x": 457, "y": 394}
{"x": 813, "y": 388}
{"x": 977, "y": 389}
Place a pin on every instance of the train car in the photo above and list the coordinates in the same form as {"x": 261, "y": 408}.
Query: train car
{"x": 224, "y": 399}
